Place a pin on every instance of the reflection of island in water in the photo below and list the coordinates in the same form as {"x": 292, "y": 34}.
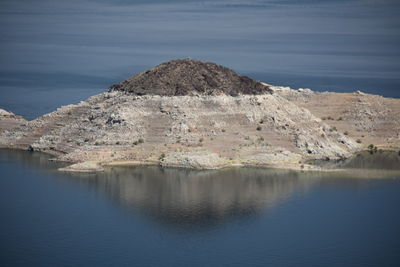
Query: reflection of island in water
{"x": 180, "y": 196}
{"x": 189, "y": 198}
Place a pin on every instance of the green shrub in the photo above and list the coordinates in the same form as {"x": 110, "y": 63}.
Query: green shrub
{"x": 162, "y": 156}
{"x": 372, "y": 148}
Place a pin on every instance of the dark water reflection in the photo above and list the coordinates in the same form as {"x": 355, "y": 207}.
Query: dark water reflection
{"x": 191, "y": 198}
{"x": 148, "y": 216}
{"x": 366, "y": 162}
{"x": 184, "y": 198}
{"x": 197, "y": 198}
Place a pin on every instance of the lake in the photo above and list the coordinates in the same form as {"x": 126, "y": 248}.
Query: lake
{"x": 55, "y": 52}
{"x": 149, "y": 216}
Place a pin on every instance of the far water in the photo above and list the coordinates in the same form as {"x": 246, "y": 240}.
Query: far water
{"x": 55, "y": 52}
{"x": 150, "y": 216}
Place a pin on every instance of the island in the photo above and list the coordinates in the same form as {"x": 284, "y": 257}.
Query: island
{"x": 194, "y": 114}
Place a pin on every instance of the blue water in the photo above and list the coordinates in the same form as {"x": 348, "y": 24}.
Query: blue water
{"x": 148, "y": 216}
{"x": 55, "y": 52}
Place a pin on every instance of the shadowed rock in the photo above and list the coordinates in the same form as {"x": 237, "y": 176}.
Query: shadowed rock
{"x": 190, "y": 77}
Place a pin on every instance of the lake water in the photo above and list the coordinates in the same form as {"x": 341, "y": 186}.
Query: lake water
{"x": 55, "y": 52}
{"x": 149, "y": 216}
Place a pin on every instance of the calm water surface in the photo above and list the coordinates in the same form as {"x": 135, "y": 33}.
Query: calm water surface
{"x": 148, "y": 216}
{"x": 56, "y": 52}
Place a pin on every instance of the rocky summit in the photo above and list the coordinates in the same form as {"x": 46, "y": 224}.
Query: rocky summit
{"x": 193, "y": 114}
{"x": 190, "y": 77}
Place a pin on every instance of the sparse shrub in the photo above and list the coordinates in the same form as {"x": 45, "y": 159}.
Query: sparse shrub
{"x": 340, "y": 119}
{"x": 323, "y": 118}
{"x": 201, "y": 140}
{"x": 97, "y": 143}
{"x": 223, "y": 130}
{"x": 333, "y": 129}
{"x": 323, "y": 135}
{"x": 86, "y": 140}
{"x": 247, "y": 137}
{"x": 359, "y": 141}
{"x": 259, "y": 128}
{"x": 372, "y": 148}
{"x": 162, "y": 156}
{"x": 346, "y": 133}
{"x": 261, "y": 139}
{"x": 117, "y": 143}
{"x": 330, "y": 118}
{"x": 261, "y": 121}
{"x": 140, "y": 141}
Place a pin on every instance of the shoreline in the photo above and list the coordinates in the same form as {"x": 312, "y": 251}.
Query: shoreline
{"x": 286, "y": 129}
{"x": 96, "y": 167}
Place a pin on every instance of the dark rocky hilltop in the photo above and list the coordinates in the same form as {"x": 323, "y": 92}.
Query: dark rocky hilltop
{"x": 190, "y": 77}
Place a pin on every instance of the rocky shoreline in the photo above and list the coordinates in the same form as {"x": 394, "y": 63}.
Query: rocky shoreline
{"x": 207, "y": 128}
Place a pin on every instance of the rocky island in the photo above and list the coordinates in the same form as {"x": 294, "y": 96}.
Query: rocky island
{"x": 194, "y": 114}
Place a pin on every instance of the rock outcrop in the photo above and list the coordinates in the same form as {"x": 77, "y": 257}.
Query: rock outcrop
{"x": 190, "y": 77}
{"x": 9, "y": 120}
{"x": 209, "y": 125}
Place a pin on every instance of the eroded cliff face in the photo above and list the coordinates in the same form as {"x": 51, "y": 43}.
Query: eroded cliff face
{"x": 9, "y": 121}
{"x": 186, "y": 131}
{"x": 208, "y": 128}
{"x": 366, "y": 118}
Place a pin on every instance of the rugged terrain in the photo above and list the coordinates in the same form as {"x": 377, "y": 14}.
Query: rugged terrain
{"x": 172, "y": 116}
